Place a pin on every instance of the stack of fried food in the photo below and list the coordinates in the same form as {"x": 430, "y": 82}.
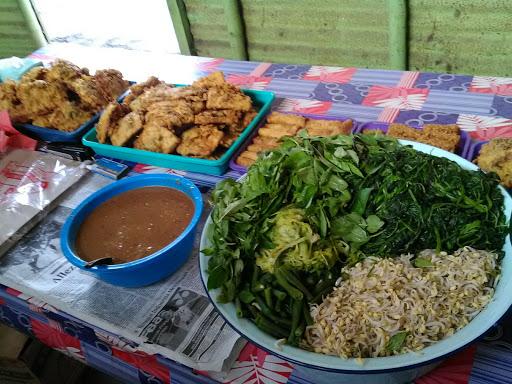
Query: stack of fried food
{"x": 444, "y": 136}
{"x": 200, "y": 120}
{"x": 280, "y": 125}
{"x": 496, "y": 156}
{"x": 61, "y": 97}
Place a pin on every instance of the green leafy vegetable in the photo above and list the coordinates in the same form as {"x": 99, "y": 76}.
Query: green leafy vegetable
{"x": 396, "y": 342}
{"x": 422, "y": 263}
{"x": 280, "y": 237}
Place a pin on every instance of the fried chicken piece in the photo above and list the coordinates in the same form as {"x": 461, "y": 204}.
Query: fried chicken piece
{"x": 277, "y": 131}
{"x": 111, "y": 82}
{"x": 62, "y": 70}
{"x": 284, "y": 118}
{"x": 40, "y": 96}
{"x": 496, "y": 156}
{"x": 137, "y": 89}
{"x": 222, "y": 98}
{"x": 9, "y": 101}
{"x": 127, "y": 127}
{"x": 36, "y": 73}
{"x": 67, "y": 117}
{"x": 91, "y": 96}
{"x": 328, "y": 127}
{"x": 109, "y": 119}
{"x": 214, "y": 79}
{"x": 225, "y": 117}
{"x": 248, "y": 118}
{"x": 170, "y": 114}
{"x": 402, "y": 131}
{"x": 155, "y": 138}
{"x": 200, "y": 141}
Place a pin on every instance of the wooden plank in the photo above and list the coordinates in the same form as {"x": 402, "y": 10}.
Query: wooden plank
{"x": 181, "y": 26}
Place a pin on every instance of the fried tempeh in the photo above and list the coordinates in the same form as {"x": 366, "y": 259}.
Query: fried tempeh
{"x": 283, "y": 118}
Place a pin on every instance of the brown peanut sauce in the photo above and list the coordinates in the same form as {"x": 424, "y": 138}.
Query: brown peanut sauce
{"x": 134, "y": 224}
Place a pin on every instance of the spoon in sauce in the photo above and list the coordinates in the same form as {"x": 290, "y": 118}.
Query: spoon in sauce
{"x": 100, "y": 261}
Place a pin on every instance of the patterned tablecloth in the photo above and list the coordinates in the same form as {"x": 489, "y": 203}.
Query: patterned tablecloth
{"x": 481, "y": 105}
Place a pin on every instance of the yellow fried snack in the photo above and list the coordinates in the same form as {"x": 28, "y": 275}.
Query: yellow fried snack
{"x": 284, "y": 118}
{"x": 155, "y": 138}
{"x": 402, "y": 131}
{"x": 277, "y": 131}
{"x": 111, "y": 82}
{"x": 221, "y": 116}
{"x": 328, "y": 127}
{"x": 496, "y": 156}
{"x": 109, "y": 119}
{"x": 9, "y": 101}
{"x": 67, "y": 118}
{"x": 222, "y": 98}
{"x": 40, "y": 96}
{"x": 127, "y": 127}
{"x": 200, "y": 141}
{"x": 91, "y": 96}
{"x": 62, "y": 70}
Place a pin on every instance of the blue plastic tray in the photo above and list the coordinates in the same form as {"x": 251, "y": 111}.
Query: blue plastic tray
{"x": 262, "y": 100}
{"x": 50, "y": 134}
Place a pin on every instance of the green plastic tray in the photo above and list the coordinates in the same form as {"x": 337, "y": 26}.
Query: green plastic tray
{"x": 262, "y": 100}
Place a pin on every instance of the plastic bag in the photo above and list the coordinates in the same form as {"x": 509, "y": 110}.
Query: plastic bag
{"x": 30, "y": 184}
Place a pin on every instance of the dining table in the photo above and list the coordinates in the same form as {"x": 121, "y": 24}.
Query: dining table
{"x": 480, "y": 105}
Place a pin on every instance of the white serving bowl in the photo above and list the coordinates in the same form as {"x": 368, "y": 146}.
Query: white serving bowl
{"x": 394, "y": 369}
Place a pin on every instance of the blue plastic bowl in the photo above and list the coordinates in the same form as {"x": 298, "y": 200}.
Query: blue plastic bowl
{"x": 149, "y": 269}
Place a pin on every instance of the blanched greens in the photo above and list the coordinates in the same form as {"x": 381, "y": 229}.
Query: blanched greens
{"x": 280, "y": 237}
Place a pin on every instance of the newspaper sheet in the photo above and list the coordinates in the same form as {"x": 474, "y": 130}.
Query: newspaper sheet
{"x": 173, "y": 317}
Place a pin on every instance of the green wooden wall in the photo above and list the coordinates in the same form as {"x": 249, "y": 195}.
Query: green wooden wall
{"x": 20, "y": 32}
{"x": 458, "y": 36}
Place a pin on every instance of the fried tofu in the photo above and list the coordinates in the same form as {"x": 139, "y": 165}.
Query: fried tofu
{"x": 496, "y": 156}
{"x": 222, "y": 98}
{"x": 221, "y": 116}
{"x": 155, "y": 138}
{"x": 127, "y": 128}
{"x": 288, "y": 119}
{"x": 108, "y": 120}
{"x": 328, "y": 127}
{"x": 277, "y": 131}
{"x": 267, "y": 142}
{"x": 246, "y": 158}
{"x": 200, "y": 141}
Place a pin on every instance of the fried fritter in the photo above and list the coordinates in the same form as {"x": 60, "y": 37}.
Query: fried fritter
{"x": 155, "y": 138}
{"x": 248, "y": 118}
{"x": 137, "y": 89}
{"x": 40, "y": 96}
{"x": 200, "y": 141}
{"x": 496, "y": 156}
{"x": 111, "y": 82}
{"x": 328, "y": 127}
{"x": 284, "y": 118}
{"x": 68, "y": 117}
{"x": 214, "y": 79}
{"x": 91, "y": 96}
{"x": 267, "y": 142}
{"x": 402, "y": 131}
{"x": 62, "y": 70}
{"x": 222, "y": 98}
{"x": 157, "y": 93}
{"x": 9, "y": 101}
{"x": 108, "y": 120}
{"x": 170, "y": 114}
{"x": 36, "y": 73}
{"x": 126, "y": 129}
{"x": 228, "y": 139}
{"x": 225, "y": 117}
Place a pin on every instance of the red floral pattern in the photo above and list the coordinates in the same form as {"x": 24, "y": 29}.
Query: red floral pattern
{"x": 254, "y": 82}
{"x": 330, "y": 74}
{"x": 401, "y": 98}
{"x": 56, "y": 339}
{"x": 455, "y": 370}
{"x": 144, "y": 362}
